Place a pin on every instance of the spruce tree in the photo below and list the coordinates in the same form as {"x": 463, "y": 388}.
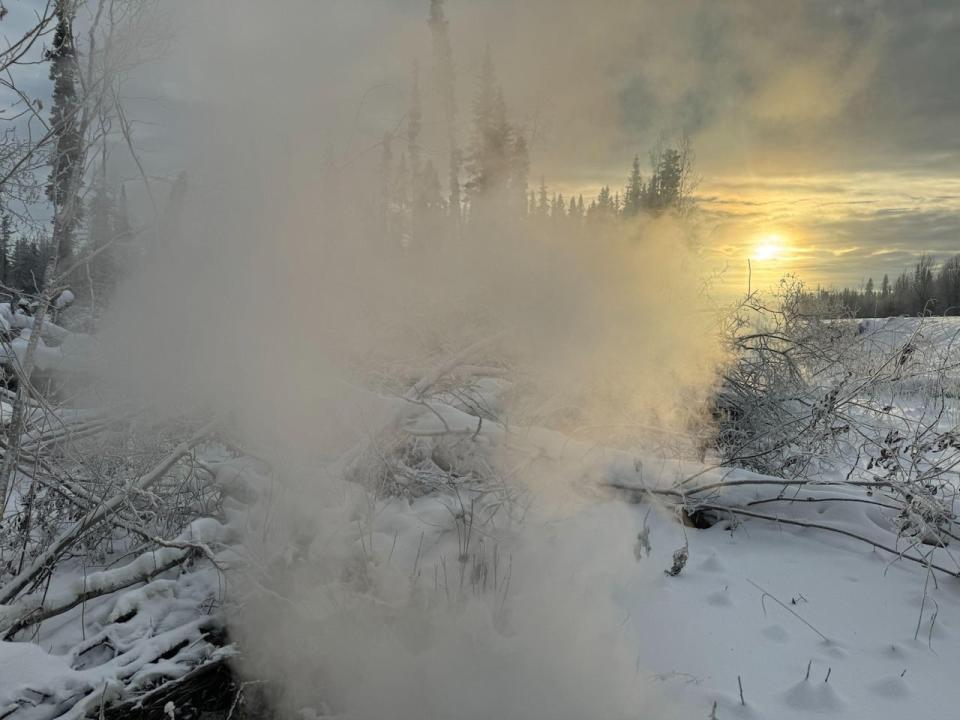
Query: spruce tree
{"x": 386, "y": 184}
{"x": 543, "y": 204}
{"x": 633, "y": 194}
{"x": 26, "y": 271}
{"x": 100, "y": 239}
{"x": 520, "y": 172}
{"x": 603, "y": 206}
{"x": 559, "y": 208}
{"x": 6, "y": 238}
{"x": 445, "y": 77}
{"x": 669, "y": 175}
{"x": 65, "y": 124}
{"x": 948, "y": 282}
{"x": 414, "y": 123}
{"x": 491, "y": 152}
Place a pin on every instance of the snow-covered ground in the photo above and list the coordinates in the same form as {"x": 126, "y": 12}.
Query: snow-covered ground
{"x": 558, "y": 604}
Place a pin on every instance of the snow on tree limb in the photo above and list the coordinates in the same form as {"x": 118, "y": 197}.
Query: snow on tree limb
{"x": 41, "y": 605}
{"x": 47, "y": 559}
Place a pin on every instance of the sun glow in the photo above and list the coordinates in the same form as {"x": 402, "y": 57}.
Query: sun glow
{"x": 770, "y": 247}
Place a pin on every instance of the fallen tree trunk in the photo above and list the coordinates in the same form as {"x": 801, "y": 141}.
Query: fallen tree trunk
{"x": 36, "y": 608}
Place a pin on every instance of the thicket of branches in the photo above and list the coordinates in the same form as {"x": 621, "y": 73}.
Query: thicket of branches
{"x": 81, "y": 487}
{"x": 816, "y": 402}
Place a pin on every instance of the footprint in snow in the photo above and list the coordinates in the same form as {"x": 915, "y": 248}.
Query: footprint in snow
{"x": 893, "y": 651}
{"x": 777, "y": 633}
{"x": 814, "y": 696}
{"x": 720, "y": 598}
{"x": 711, "y": 564}
{"x": 730, "y": 708}
{"x": 892, "y": 687}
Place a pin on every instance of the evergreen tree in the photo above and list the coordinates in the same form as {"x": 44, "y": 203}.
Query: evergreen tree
{"x": 492, "y": 151}
{"x": 923, "y": 286}
{"x": 65, "y": 124}
{"x": 602, "y": 208}
{"x": 17, "y": 262}
{"x": 948, "y": 286}
{"x": 604, "y": 201}
{"x": 520, "y": 171}
{"x": 386, "y": 183}
{"x": 414, "y": 123}
{"x": 100, "y": 240}
{"x": 445, "y": 77}
{"x": 869, "y": 298}
{"x": 633, "y": 195}
{"x": 543, "y": 205}
{"x": 26, "y": 269}
{"x": 6, "y": 238}
{"x": 559, "y": 211}
{"x": 478, "y": 164}
{"x": 664, "y": 190}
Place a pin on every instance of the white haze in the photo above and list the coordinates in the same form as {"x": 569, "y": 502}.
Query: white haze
{"x": 273, "y": 305}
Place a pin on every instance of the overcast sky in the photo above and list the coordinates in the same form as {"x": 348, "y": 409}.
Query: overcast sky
{"x": 834, "y": 125}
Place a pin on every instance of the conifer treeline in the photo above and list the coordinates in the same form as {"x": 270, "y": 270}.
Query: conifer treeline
{"x": 23, "y": 257}
{"x": 491, "y": 178}
{"x": 929, "y": 288}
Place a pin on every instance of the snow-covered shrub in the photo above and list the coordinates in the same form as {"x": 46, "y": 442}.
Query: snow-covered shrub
{"x": 809, "y": 396}
{"x": 774, "y": 409}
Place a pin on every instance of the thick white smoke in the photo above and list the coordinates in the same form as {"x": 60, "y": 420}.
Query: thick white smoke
{"x": 270, "y": 300}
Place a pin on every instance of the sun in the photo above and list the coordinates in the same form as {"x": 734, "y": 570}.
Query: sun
{"x": 770, "y": 247}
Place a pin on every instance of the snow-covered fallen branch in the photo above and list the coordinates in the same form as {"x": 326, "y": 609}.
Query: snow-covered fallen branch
{"x": 45, "y": 561}
{"x": 42, "y": 605}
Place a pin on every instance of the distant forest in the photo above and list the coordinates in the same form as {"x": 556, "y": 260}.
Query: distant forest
{"x": 485, "y": 174}
{"x": 930, "y": 288}
{"x": 490, "y": 176}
